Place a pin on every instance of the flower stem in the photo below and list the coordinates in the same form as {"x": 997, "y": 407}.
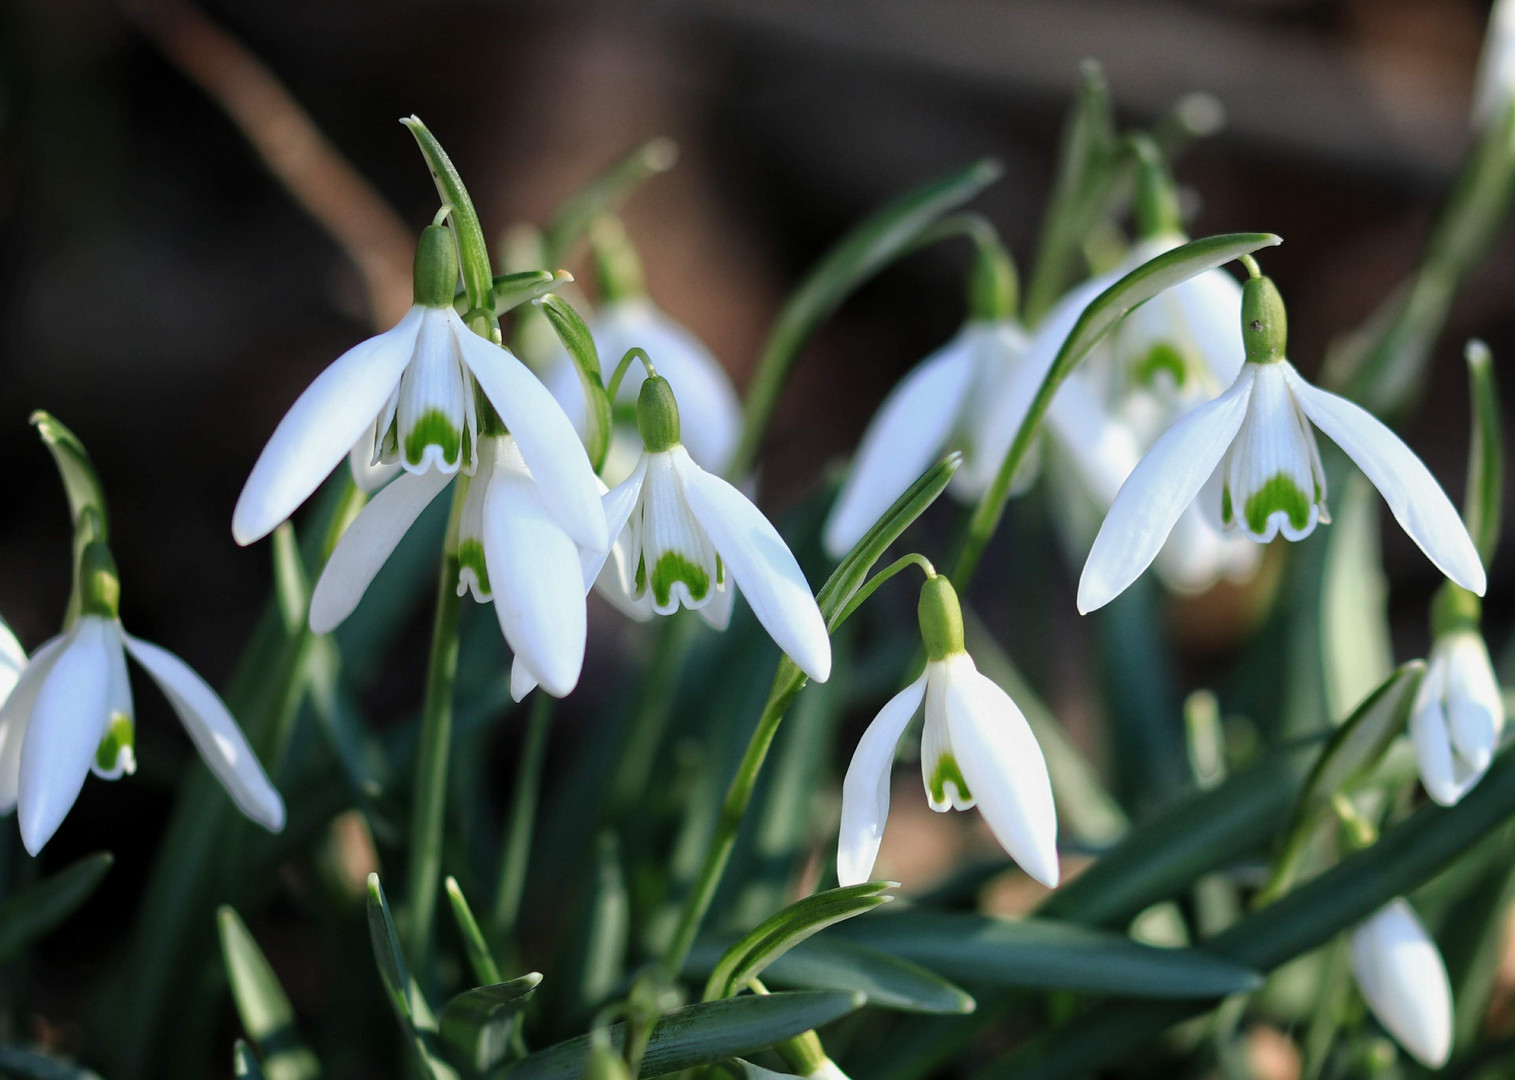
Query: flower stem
{"x": 523, "y": 815}
{"x": 429, "y": 808}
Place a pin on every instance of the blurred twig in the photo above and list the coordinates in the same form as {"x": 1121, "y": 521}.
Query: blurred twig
{"x": 291, "y": 146}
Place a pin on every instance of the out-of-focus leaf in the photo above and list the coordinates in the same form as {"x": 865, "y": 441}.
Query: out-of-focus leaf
{"x": 579, "y": 342}
{"x": 1483, "y": 505}
{"x": 404, "y": 995}
{"x": 513, "y": 290}
{"x": 244, "y": 1064}
{"x": 785, "y": 929}
{"x": 31, "y": 1065}
{"x": 27, "y": 916}
{"x": 1045, "y": 954}
{"x": 700, "y": 1034}
{"x": 479, "y": 956}
{"x": 605, "y": 192}
{"x": 607, "y": 927}
{"x": 477, "y": 1026}
{"x": 1354, "y": 604}
{"x": 262, "y": 1004}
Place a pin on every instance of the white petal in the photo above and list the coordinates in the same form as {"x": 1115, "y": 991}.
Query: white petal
{"x": 1413, "y": 495}
{"x": 1495, "y": 82}
{"x": 1272, "y": 471}
{"x": 1102, "y": 447}
{"x": 214, "y": 732}
{"x": 762, "y": 566}
{"x": 12, "y": 660}
{"x": 367, "y": 543}
{"x": 15, "y": 715}
{"x": 67, "y": 723}
{"x": 1401, "y": 975}
{"x": 998, "y": 349}
{"x": 865, "y": 790}
{"x": 1211, "y": 308}
{"x": 1005, "y": 770}
{"x": 1158, "y": 490}
{"x": 368, "y": 474}
{"x": 904, "y": 438}
{"x": 522, "y": 681}
{"x": 1433, "y": 753}
{"x": 537, "y": 579}
{"x": 544, "y": 434}
{"x": 717, "y": 613}
{"x": 118, "y": 704}
{"x": 939, "y": 769}
{"x": 321, "y": 427}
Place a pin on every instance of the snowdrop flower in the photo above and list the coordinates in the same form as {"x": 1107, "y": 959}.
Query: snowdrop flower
{"x": 826, "y": 1070}
{"x": 412, "y": 391}
{"x": 1251, "y": 455}
{"x": 70, "y": 713}
{"x": 685, "y": 537}
{"x": 1495, "y": 83}
{"x": 1402, "y": 978}
{"x": 1458, "y": 715}
{"x": 976, "y": 749}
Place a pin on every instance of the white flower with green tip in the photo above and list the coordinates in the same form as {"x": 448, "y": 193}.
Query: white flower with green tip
{"x": 1404, "y": 981}
{"x": 415, "y": 394}
{"x": 976, "y": 750}
{"x": 1251, "y": 455}
{"x": 70, "y": 712}
{"x": 1458, "y": 715}
{"x": 687, "y": 538}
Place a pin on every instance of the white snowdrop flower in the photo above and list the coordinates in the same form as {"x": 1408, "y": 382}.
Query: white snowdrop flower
{"x": 1458, "y": 714}
{"x": 826, "y": 1070}
{"x": 70, "y": 713}
{"x": 1256, "y": 441}
{"x": 1495, "y": 82}
{"x": 685, "y": 537}
{"x": 413, "y": 391}
{"x": 976, "y": 749}
{"x": 1401, "y": 975}
{"x": 511, "y": 551}
{"x": 947, "y": 402}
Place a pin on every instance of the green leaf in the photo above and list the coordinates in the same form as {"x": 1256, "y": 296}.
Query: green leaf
{"x": 29, "y": 915}
{"x": 700, "y": 1034}
{"x": 785, "y": 929}
{"x": 244, "y": 1065}
{"x": 32, "y": 1065}
{"x": 1483, "y": 506}
{"x": 291, "y": 587}
{"x": 266, "y": 1013}
{"x": 473, "y": 253}
{"x": 476, "y": 1027}
{"x": 605, "y": 192}
{"x": 80, "y": 481}
{"x": 579, "y": 342}
{"x": 1354, "y": 599}
{"x": 480, "y": 959}
{"x": 405, "y": 996}
{"x": 1045, "y": 954}
{"x": 513, "y": 290}
{"x": 872, "y": 245}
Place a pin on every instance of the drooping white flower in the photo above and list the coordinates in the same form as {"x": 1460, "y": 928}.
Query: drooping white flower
{"x": 1252, "y": 454}
{"x": 1401, "y": 975}
{"x": 412, "y": 390}
{"x": 1458, "y": 715}
{"x": 976, "y": 749}
{"x": 1495, "y": 83}
{"x": 685, "y": 537}
{"x": 945, "y": 403}
{"x": 511, "y": 550}
{"x": 70, "y": 713}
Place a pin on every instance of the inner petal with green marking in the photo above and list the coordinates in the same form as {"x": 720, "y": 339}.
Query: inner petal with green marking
{"x": 946, "y": 786}
{"x": 1272, "y": 479}
{"x": 116, "y": 753}
{"x": 677, "y": 564}
{"x": 435, "y": 417}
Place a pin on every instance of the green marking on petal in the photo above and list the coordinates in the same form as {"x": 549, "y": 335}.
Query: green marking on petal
{"x": 1161, "y": 357}
{"x": 1226, "y": 511}
{"x": 673, "y": 567}
{"x": 433, "y": 429}
{"x": 117, "y": 749}
{"x": 947, "y": 772}
{"x": 641, "y": 576}
{"x": 1279, "y": 493}
{"x": 471, "y": 557}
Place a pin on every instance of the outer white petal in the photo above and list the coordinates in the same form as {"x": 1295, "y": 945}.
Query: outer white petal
{"x": 548, "y": 443}
{"x": 67, "y": 722}
{"x": 1495, "y": 82}
{"x": 1211, "y": 306}
{"x": 214, "y": 732}
{"x": 717, "y": 613}
{"x": 367, "y": 543}
{"x": 904, "y": 438}
{"x": 1003, "y": 765}
{"x": 1403, "y": 979}
{"x": 16, "y": 713}
{"x": 1414, "y": 497}
{"x": 865, "y": 790}
{"x": 1433, "y": 752}
{"x": 617, "y": 577}
{"x": 522, "y": 681}
{"x": 12, "y": 660}
{"x": 321, "y": 428}
{"x": 1158, "y": 490}
{"x": 538, "y": 581}
{"x": 762, "y": 566}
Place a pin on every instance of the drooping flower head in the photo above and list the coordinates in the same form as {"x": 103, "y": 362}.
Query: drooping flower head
{"x": 1404, "y": 981}
{"x": 1458, "y": 715}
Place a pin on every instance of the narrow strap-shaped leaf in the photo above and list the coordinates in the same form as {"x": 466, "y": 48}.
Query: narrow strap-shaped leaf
{"x": 783, "y": 930}
{"x": 476, "y": 1028}
{"x": 1483, "y": 506}
{"x": 480, "y": 959}
{"x": 33, "y": 1065}
{"x": 1358, "y": 653}
{"x": 522, "y": 287}
{"x": 872, "y": 245}
{"x": 291, "y": 586}
{"x": 266, "y": 1013}
{"x": 473, "y": 252}
{"x": 579, "y": 342}
{"x": 244, "y": 1063}
{"x": 700, "y": 1034}
{"x": 605, "y": 192}
{"x": 29, "y": 915}
{"x": 386, "y": 949}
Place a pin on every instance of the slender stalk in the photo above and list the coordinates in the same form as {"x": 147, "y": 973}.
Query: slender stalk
{"x": 523, "y": 815}
{"x": 430, "y": 804}
{"x": 653, "y": 707}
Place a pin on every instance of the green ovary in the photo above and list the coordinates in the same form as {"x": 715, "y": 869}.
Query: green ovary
{"x": 120, "y": 737}
{"x": 433, "y": 429}
{"x": 1279, "y": 493}
{"x": 947, "y": 772}
{"x": 471, "y": 557}
{"x": 673, "y": 567}
{"x": 1161, "y": 357}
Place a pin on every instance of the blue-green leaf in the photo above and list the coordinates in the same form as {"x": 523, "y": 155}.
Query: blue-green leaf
{"x": 476, "y": 1028}
{"x": 266, "y": 1013}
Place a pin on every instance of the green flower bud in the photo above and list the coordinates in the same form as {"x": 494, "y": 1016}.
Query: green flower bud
{"x": 657, "y": 415}
{"x": 1156, "y": 201}
{"x": 436, "y": 269}
{"x": 993, "y": 285}
{"x": 941, "y": 618}
{"x": 99, "y": 587}
{"x": 1264, "y": 323}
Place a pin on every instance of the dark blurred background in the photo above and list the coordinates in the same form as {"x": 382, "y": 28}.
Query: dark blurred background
{"x": 163, "y": 295}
